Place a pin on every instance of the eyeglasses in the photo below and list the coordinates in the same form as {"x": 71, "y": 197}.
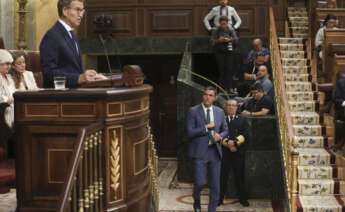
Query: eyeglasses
{"x": 205, "y": 94}
{"x": 79, "y": 10}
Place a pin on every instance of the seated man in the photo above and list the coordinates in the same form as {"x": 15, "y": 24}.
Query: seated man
{"x": 260, "y": 104}
{"x": 339, "y": 99}
{"x": 258, "y": 47}
{"x": 263, "y": 78}
{"x": 329, "y": 23}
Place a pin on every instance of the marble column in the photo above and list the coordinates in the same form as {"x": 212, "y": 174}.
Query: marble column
{"x": 7, "y": 22}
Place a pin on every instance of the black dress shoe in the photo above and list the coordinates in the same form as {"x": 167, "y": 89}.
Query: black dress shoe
{"x": 244, "y": 203}
{"x": 220, "y": 202}
{"x": 197, "y": 207}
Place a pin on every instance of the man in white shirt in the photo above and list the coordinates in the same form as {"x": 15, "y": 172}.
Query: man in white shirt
{"x": 222, "y": 10}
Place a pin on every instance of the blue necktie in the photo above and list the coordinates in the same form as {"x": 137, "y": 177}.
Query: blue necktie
{"x": 209, "y": 132}
{"x": 75, "y": 40}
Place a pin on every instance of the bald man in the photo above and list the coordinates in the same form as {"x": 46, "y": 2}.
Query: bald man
{"x": 258, "y": 47}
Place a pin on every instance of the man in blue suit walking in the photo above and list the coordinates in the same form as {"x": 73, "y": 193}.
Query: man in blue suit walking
{"x": 206, "y": 127}
{"x": 59, "y": 49}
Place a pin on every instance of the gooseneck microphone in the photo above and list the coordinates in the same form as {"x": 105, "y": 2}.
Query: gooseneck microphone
{"x": 105, "y": 52}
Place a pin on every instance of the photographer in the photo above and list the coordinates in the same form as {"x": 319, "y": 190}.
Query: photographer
{"x": 223, "y": 39}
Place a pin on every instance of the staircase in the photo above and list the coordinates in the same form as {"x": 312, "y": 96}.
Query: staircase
{"x": 320, "y": 182}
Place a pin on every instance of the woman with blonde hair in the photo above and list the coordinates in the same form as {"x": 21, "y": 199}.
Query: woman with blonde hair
{"x": 7, "y": 87}
{"x": 23, "y": 79}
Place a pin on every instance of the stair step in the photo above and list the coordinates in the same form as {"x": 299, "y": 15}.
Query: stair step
{"x": 308, "y": 118}
{"x": 315, "y": 157}
{"x": 304, "y": 35}
{"x": 300, "y": 96}
{"x": 298, "y": 19}
{"x": 319, "y": 203}
{"x": 320, "y": 186}
{"x": 308, "y": 141}
{"x": 299, "y": 24}
{"x": 291, "y": 41}
{"x": 317, "y": 172}
{"x": 297, "y": 77}
{"x": 291, "y": 47}
{"x": 293, "y": 54}
{"x": 296, "y": 69}
{"x": 297, "y": 14}
{"x": 308, "y": 130}
{"x": 299, "y": 30}
{"x": 309, "y": 106}
{"x": 299, "y": 86}
{"x": 300, "y": 9}
{"x": 294, "y": 62}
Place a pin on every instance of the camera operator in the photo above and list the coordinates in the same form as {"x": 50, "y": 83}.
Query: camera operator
{"x": 223, "y": 40}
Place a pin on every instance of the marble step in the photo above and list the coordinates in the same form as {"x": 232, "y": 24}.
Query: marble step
{"x": 308, "y": 130}
{"x": 297, "y": 77}
{"x": 320, "y": 186}
{"x": 299, "y": 9}
{"x": 299, "y": 24}
{"x": 308, "y": 141}
{"x": 299, "y": 30}
{"x": 299, "y": 86}
{"x": 297, "y": 14}
{"x": 327, "y": 203}
{"x": 291, "y": 47}
{"x": 301, "y": 96}
{"x": 283, "y": 40}
{"x": 315, "y": 157}
{"x": 298, "y": 19}
{"x": 293, "y": 54}
{"x": 307, "y": 118}
{"x": 296, "y": 69}
{"x": 317, "y": 172}
{"x": 294, "y": 62}
{"x": 304, "y": 106}
{"x": 304, "y": 35}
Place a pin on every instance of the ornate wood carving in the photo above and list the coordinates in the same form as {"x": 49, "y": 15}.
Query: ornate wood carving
{"x": 21, "y": 43}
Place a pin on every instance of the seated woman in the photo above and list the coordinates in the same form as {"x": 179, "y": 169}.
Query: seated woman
{"x": 329, "y": 23}
{"x": 23, "y": 79}
{"x": 261, "y": 104}
{"x": 7, "y": 87}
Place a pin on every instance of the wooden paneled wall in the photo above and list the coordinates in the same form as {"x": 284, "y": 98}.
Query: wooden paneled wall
{"x": 170, "y": 18}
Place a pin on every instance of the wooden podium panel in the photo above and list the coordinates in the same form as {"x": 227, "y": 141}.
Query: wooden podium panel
{"x": 47, "y": 123}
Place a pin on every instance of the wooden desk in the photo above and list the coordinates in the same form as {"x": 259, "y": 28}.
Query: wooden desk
{"x": 47, "y": 124}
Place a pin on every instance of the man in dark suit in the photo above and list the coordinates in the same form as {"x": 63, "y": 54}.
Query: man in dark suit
{"x": 206, "y": 127}
{"x": 233, "y": 152}
{"x": 339, "y": 98}
{"x": 59, "y": 49}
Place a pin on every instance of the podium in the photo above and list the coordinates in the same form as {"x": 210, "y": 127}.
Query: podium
{"x": 48, "y": 127}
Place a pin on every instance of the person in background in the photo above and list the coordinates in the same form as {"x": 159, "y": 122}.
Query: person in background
{"x": 59, "y": 49}
{"x": 260, "y": 104}
{"x": 258, "y": 47}
{"x": 7, "y": 87}
{"x": 206, "y": 127}
{"x": 23, "y": 79}
{"x": 222, "y": 10}
{"x": 331, "y": 4}
{"x": 233, "y": 152}
{"x": 329, "y": 23}
{"x": 223, "y": 38}
{"x": 263, "y": 78}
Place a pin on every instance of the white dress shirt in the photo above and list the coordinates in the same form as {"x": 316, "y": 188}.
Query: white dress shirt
{"x": 226, "y": 11}
{"x": 211, "y": 118}
{"x": 69, "y": 29}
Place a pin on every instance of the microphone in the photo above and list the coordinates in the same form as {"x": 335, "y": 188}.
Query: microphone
{"x": 105, "y": 52}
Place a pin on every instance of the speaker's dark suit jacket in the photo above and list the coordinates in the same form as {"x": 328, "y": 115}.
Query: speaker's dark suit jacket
{"x": 196, "y": 122}
{"x": 59, "y": 57}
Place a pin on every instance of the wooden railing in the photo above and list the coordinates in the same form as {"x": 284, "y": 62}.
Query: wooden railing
{"x": 83, "y": 189}
{"x": 290, "y": 156}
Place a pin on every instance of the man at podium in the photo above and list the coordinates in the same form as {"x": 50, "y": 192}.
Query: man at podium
{"x": 59, "y": 49}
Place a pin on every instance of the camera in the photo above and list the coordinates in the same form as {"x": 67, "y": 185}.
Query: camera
{"x": 103, "y": 21}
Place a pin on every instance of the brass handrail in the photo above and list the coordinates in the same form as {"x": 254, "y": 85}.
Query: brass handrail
{"x": 290, "y": 155}
{"x": 80, "y": 191}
